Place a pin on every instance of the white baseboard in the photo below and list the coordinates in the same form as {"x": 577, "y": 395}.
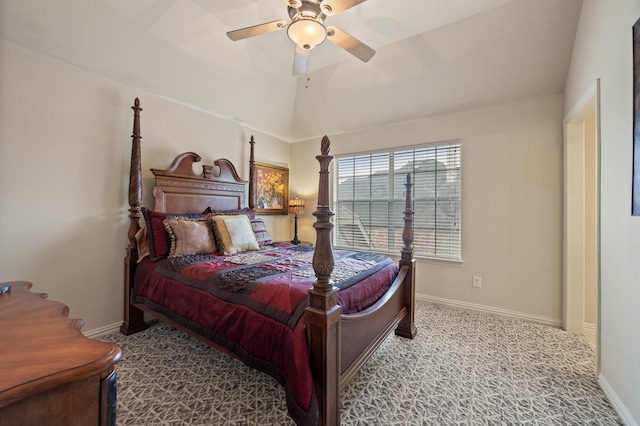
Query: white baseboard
{"x": 620, "y": 408}
{"x": 589, "y": 331}
{"x": 482, "y": 308}
{"x": 92, "y": 334}
{"x": 589, "y": 328}
{"x": 490, "y": 309}
{"x": 95, "y": 333}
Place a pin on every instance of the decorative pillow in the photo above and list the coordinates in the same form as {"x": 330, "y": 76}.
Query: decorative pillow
{"x": 189, "y": 236}
{"x": 245, "y": 211}
{"x": 234, "y": 234}
{"x": 159, "y": 242}
{"x": 262, "y": 235}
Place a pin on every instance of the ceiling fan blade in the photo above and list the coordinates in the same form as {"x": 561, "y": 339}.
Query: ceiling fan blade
{"x": 350, "y": 44}
{"x": 331, "y": 7}
{"x": 256, "y": 30}
{"x": 300, "y": 61}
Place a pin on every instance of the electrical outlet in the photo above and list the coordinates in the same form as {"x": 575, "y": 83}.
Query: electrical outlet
{"x": 477, "y": 281}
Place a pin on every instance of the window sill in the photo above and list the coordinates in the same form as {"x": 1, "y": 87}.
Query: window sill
{"x": 394, "y": 255}
{"x": 452, "y": 262}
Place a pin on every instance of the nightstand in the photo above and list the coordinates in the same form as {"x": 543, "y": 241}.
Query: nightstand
{"x": 286, "y": 243}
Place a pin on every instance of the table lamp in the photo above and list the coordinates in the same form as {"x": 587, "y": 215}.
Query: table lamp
{"x": 296, "y": 206}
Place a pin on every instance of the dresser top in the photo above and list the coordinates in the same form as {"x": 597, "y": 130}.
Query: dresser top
{"x": 41, "y": 348}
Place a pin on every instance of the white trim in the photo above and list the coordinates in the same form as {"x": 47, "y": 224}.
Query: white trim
{"x": 420, "y": 145}
{"x": 101, "y": 331}
{"x": 553, "y": 322}
{"x": 92, "y": 334}
{"x": 620, "y": 408}
{"x": 573, "y": 310}
{"x": 598, "y": 228}
{"x": 589, "y": 332}
{"x": 482, "y": 308}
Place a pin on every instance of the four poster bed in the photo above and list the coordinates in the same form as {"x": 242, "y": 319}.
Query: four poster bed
{"x": 309, "y": 317}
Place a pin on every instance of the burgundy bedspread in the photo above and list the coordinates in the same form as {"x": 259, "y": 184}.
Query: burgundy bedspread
{"x": 252, "y": 304}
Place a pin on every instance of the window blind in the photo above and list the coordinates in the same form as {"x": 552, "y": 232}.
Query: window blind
{"x": 369, "y": 199}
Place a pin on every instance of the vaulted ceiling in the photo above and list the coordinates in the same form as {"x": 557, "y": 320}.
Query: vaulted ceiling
{"x": 433, "y": 56}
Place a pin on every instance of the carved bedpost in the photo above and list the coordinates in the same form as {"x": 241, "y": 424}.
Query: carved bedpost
{"x": 252, "y": 176}
{"x": 135, "y": 179}
{"x": 133, "y": 317}
{"x": 323, "y": 314}
{"x": 407, "y": 327}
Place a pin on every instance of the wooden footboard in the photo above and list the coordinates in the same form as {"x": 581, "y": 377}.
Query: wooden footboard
{"x": 340, "y": 344}
{"x": 361, "y": 333}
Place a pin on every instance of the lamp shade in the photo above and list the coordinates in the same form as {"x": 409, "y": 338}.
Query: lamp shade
{"x": 296, "y": 206}
{"x": 307, "y": 32}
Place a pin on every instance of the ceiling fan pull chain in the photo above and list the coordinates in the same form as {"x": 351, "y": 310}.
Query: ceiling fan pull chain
{"x": 306, "y": 73}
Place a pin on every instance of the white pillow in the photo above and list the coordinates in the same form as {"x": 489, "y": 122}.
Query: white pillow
{"x": 236, "y": 233}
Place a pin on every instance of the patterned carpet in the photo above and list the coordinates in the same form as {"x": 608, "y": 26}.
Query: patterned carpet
{"x": 463, "y": 368}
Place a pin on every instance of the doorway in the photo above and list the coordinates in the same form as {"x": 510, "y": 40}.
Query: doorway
{"x": 581, "y": 224}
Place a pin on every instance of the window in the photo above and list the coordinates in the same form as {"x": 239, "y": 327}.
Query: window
{"x": 369, "y": 199}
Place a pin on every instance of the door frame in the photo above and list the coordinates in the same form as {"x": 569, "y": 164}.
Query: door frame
{"x": 573, "y": 236}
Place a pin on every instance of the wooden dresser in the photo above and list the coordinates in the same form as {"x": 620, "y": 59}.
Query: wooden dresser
{"x": 50, "y": 373}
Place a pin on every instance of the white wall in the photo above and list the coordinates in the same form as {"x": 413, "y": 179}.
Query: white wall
{"x": 603, "y": 49}
{"x": 511, "y": 208}
{"x": 65, "y": 143}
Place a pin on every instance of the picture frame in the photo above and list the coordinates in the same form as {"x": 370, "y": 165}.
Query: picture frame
{"x": 635, "y": 182}
{"x": 272, "y": 189}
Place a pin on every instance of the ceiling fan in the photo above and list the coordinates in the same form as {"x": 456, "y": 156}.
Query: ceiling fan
{"x": 307, "y": 30}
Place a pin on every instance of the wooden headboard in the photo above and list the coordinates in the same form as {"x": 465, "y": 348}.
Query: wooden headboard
{"x": 179, "y": 190}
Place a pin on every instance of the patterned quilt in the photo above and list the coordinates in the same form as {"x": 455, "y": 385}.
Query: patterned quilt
{"x": 253, "y": 304}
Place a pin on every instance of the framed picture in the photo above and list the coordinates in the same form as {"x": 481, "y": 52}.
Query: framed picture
{"x": 635, "y": 183}
{"x": 272, "y": 189}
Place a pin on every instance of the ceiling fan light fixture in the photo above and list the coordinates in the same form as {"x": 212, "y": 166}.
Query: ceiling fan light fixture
{"x": 307, "y": 32}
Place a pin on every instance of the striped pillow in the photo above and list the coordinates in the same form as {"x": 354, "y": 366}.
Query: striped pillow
{"x": 262, "y": 235}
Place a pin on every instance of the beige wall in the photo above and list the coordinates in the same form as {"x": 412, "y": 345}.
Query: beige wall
{"x": 65, "y": 142}
{"x": 603, "y": 49}
{"x": 511, "y": 208}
